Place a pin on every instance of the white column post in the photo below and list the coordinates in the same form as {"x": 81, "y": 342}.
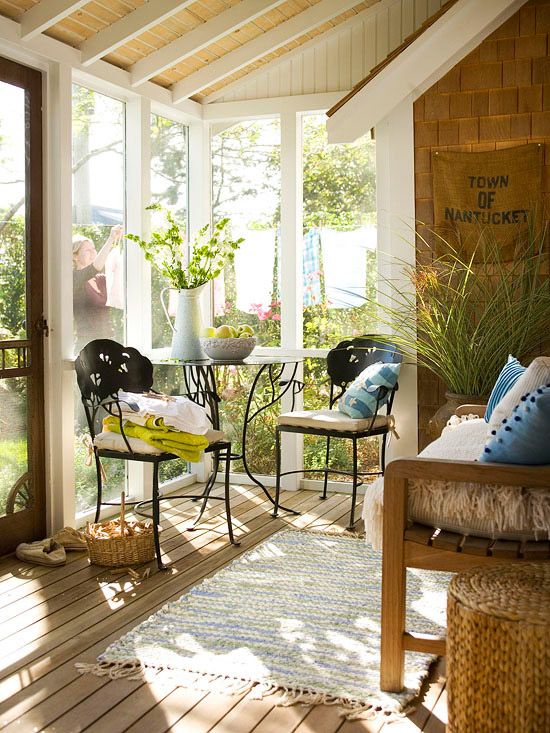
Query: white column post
{"x": 292, "y": 282}
{"x": 200, "y": 198}
{"x": 59, "y": 376}
{"x": 138, "y": 272}
{"x": 138, "y": 194}
{"x": 396, "y": 246}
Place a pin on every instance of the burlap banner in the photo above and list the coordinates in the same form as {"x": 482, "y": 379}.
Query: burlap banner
{"x": 496, "y": 192}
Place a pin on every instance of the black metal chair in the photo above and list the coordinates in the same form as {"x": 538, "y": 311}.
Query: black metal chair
{"x": 344, "y": 363}
{"x": 104, "y": 367}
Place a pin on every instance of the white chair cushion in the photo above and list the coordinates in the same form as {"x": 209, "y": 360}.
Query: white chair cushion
{"x": 331, "y": 420}
{"x": 115, "y": 441}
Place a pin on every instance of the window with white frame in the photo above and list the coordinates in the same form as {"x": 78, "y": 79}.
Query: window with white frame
{"x": 338, "y": 289}
{"x": 169, "y": 187}
{"x": 339, "y": 267}
{"x": 99, "y": 194}
{"x": 246, "y": 187}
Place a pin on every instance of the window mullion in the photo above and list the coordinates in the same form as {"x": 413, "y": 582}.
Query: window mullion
{"x": 292, "y": 278}
{"x": 138, "y": 272}
{"x": 138, "y": 194}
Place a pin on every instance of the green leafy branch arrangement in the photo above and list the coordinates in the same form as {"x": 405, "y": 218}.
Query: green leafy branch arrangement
{"x": 167, "y": 251}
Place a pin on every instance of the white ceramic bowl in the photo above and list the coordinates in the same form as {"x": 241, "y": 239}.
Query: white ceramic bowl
{"x": 230, "y": 349}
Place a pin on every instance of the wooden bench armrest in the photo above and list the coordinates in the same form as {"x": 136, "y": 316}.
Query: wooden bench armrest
{"x": 438, "y": 469}
{"x": 478, "y": 410}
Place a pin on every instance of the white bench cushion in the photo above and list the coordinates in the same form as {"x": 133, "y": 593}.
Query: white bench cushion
{"x": 486, "y": 510}
{"x": 330, "y": 420}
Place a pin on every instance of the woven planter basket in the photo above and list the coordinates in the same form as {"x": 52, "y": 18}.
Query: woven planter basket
{"x": 120, "y": 551}
{"x": 498, "y": 650}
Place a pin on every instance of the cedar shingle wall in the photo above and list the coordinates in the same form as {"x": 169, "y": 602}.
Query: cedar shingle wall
{"x": 498, "y": 96}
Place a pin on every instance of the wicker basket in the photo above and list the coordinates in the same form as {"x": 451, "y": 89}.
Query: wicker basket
{"x": 498, "y": 649}
{"x": 120, "y": 551}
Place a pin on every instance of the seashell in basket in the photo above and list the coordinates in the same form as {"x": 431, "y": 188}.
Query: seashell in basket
{"x": 229, "y": 349}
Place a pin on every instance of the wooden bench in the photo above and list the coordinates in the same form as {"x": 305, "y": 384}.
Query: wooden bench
{"x": 425, "y": 547}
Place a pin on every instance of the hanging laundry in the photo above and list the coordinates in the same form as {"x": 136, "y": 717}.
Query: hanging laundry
{"x": 312, "y": 268}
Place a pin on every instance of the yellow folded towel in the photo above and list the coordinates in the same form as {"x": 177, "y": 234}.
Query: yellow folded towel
{"x": 186, "y": 446}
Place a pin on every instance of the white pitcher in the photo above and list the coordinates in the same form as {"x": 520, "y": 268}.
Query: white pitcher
{"x": 188, "y": 327}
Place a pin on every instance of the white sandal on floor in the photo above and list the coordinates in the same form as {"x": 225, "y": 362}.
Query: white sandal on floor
{"x": 70, "y": 538}
{"x": 44, "y": 552}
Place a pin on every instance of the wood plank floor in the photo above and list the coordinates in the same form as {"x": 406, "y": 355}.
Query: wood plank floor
{"x": 53, "y": 617}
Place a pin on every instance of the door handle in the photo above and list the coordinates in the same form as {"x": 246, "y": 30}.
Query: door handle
{"x": 42, "y": 325}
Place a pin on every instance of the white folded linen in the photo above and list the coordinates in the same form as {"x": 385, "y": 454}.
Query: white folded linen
{"x": 178, "y": 412}
{"x": 115, "y": 441}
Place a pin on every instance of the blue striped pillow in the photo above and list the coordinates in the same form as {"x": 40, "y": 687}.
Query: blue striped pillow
{"x": 361, "y": 397}
{"x": 509, "y": 375}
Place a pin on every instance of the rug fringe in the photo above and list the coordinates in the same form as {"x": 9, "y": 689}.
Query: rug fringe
{"x": 132, "y": 669}
{"x": 331, "y": 532}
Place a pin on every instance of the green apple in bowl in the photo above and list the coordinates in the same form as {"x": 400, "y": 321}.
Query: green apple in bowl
{"x": 245, "y": 328}
{"x": 224, "y": 332}
{"x": 209, "y": 332}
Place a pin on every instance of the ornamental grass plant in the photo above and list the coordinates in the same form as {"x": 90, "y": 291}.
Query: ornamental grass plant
{"x": 465, "y": 315}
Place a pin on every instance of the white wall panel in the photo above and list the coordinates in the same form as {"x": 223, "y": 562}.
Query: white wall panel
{"x": 340, "y": 58}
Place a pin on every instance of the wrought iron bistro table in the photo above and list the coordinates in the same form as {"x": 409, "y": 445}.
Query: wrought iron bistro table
{"x": 200, "y": 386}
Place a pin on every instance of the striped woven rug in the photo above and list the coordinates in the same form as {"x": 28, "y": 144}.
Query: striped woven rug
{"x": 298, "y": 613}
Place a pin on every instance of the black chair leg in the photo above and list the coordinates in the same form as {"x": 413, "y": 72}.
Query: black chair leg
{"x": 207, "y": 489}
{"x": 99, "y": 488}
{"x": 227, "y": 501}
{"x": 327, "y": 455}
{"x": 277, "y": 472}
{"x": 156, "y": 516}
{"x": 351, "y": 525}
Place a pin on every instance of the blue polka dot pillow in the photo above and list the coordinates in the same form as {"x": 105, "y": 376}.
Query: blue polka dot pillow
{"x": 524, "y": 437}
{"x": 360, "y": 398}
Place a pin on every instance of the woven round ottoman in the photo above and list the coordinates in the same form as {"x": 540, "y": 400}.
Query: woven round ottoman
{"x": 498, "y": 649}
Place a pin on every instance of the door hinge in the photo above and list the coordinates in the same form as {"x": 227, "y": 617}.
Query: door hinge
{"x": 42, "y": 325}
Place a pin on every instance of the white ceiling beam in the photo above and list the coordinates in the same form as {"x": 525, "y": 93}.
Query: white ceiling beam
{"x": 201, "y": 37}
{"x": 43, "y": 49}
{"x": 47, "y": 13}
{"x": 129, "y": 27}
{"x": 260, "y": 46}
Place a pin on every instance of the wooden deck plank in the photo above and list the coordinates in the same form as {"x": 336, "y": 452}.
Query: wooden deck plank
{"x": 246, "y": 714}
{"x": 42, "y": 577}
{"x": 161, "y": 718}
{"x": 87, "y": 644}
{"x": 321, "y": 719}
{"x": 60, "y": 594}
{"x": 157, "y": 581}
{"x": 203, "y": 716}
{"x": 72, "y": 697}
{"x": 68, "y": 614}
{"x": 282, "y": 718}
{"x": 437, "y": 722}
